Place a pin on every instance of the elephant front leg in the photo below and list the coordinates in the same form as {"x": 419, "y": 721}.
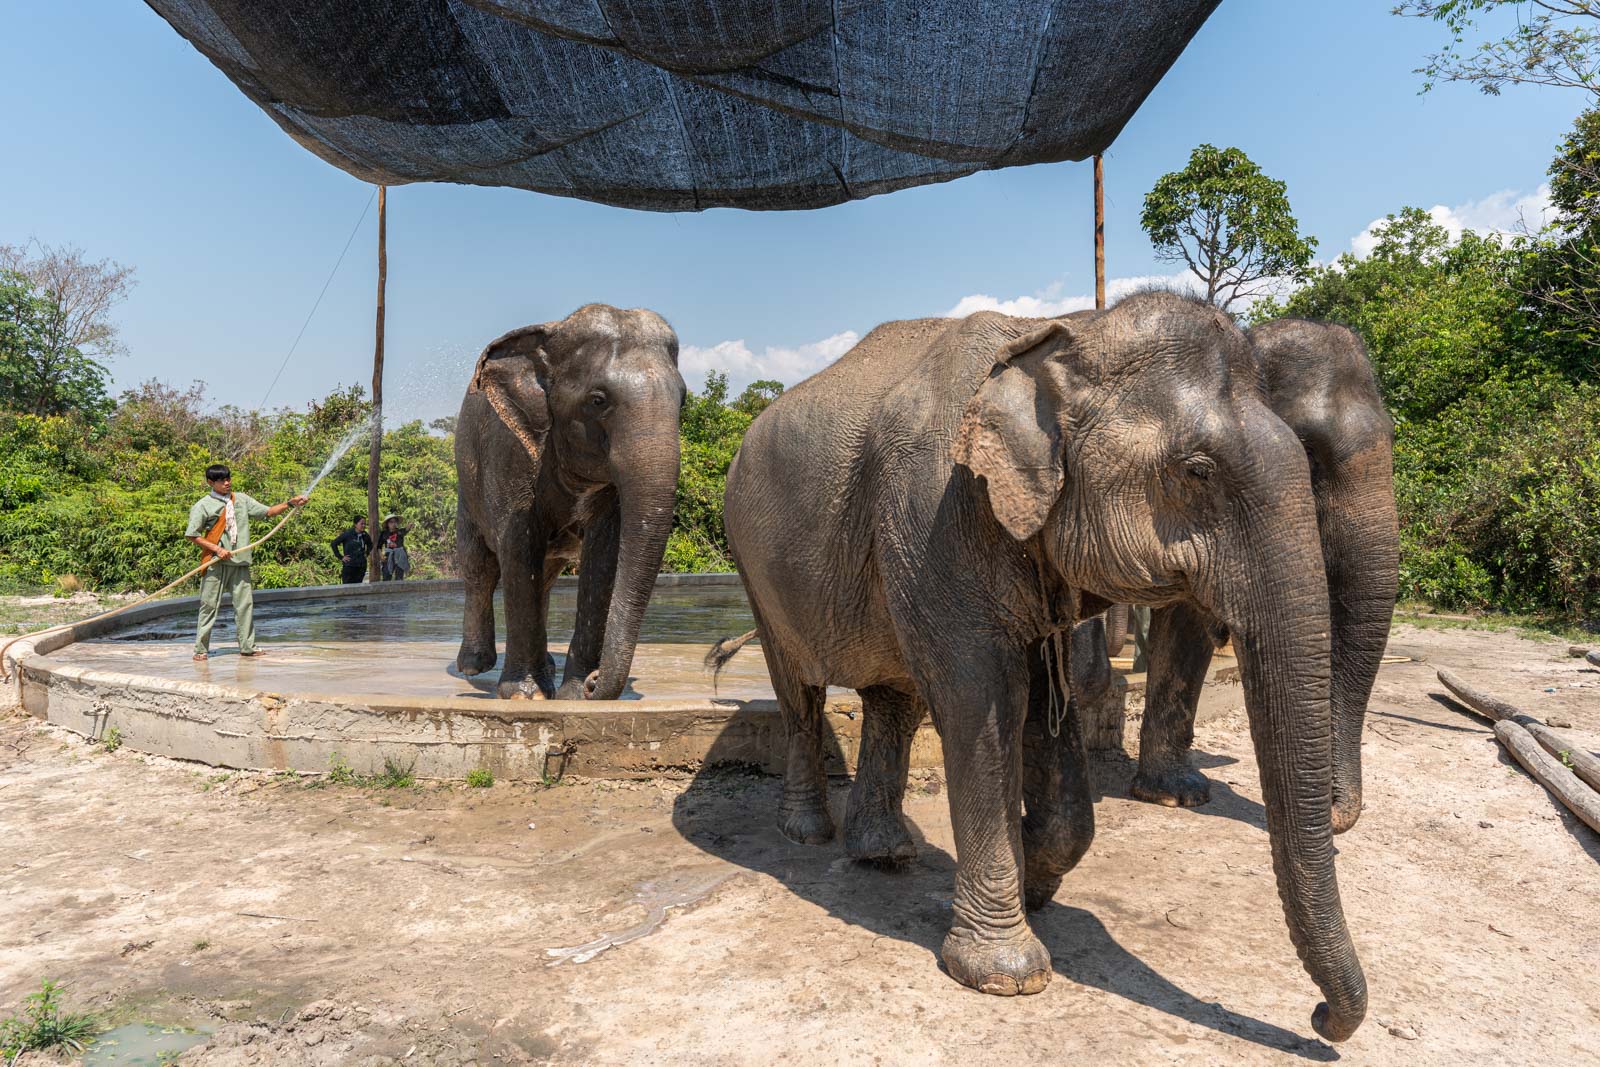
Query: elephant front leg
{"x": 990, "y": 946}
{"x": 874, "y": 828}
{"x": 527, "y": 653}
{"x": 597, "y": 574}
{"x": 1181, "y": 644}
{"x": 480, "y": 572}
{"x": 1058, "y": 821}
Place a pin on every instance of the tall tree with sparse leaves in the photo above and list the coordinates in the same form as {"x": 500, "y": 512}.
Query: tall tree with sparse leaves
{"x": 1229, "y": 223}
{"x": 1550, "y": 42}
{"x": 41, "y": 374}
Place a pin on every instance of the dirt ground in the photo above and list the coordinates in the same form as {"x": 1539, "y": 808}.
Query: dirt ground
{"x": 668, "y": 922}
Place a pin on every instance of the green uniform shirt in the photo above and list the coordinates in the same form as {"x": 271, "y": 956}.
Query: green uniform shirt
{"x": 208, "y": 509}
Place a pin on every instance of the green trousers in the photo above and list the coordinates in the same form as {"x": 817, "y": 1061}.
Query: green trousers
{"x": 234, "y": 578}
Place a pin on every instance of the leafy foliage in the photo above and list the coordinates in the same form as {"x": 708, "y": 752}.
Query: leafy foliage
{"x": 711, "y": 432}
{"x": 1496, "y": 405}
{"x": 43, "y": 1026}
{"x": 106, "y": 500}
{"x": 40, "y": 372}
{"x": 1229, "y": 223}
{"x": 1553, "y": 42}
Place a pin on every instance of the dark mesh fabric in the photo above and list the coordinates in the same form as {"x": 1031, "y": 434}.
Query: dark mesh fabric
{"x": 681, "y": 105}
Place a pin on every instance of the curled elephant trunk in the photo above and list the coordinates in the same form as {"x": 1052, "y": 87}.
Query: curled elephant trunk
{"x": 645, "y": 469}
{"x": 1278, "y": 612}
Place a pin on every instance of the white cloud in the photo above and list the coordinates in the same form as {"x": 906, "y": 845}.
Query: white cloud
{"x": 1505, "y": 212}
{"x": 1049, "y": 302}
{"x": 742, "y": 366}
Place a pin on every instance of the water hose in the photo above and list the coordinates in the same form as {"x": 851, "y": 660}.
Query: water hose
{"x": 5, "y": 676}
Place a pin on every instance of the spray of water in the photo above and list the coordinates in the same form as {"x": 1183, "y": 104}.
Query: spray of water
{"x": 345, "y": 444}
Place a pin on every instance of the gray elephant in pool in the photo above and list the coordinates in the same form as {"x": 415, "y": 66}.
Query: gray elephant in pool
{"x": 1317, "y": 378}
{"x": 567, "y": 450}
{"x": 919, "y": 520}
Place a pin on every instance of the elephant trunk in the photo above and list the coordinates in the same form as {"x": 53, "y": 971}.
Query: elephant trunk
{"x": 645, "y": 470}
{"x": 1361, "y": 544}
{"x": 1277, "y": 608}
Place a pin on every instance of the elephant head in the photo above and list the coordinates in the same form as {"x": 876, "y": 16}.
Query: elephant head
{"x": 594, "y": 400}
{"x": 1131, "y": 455}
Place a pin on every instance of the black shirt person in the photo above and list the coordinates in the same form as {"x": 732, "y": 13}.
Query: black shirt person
{"x": 351, "y": 547}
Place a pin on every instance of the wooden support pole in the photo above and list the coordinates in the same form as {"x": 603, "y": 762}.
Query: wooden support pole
{"x": 1099, "y": 233}
{"x": 375, "y": 558}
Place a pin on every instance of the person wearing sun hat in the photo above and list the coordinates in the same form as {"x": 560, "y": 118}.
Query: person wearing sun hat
{"x": 392, "y": 541}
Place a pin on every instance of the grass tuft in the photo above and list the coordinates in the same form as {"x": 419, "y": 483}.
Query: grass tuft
{"x": 43, "y": 1026}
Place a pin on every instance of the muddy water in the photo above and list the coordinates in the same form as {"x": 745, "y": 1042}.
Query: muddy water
{"x": 406, "y": 645}
{"x": 141, "y": 1044}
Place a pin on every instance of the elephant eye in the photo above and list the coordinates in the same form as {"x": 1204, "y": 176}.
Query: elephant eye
{"x": 598, "y": 400}
{"x": 1199, "y": 467}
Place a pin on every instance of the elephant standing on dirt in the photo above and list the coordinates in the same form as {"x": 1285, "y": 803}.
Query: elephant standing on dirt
{"x": 1317, "y": 378}
{"x": 921, "y": 522}
{"x": 567, "y": 449}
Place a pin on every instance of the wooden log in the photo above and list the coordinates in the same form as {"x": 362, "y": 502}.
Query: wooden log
{"x": 1562, "y": 783}
{"x": 1582, "y": 762}
{"x": 1577, "y": 651}
{"x": 1489, "y": 707}
{"x": 1578, "y": 759}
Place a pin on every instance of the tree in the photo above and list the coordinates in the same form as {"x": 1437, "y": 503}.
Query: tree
{"x": 1229, "y": 223}
{"x": 1561, "y": 265}
{"x": 1554, "y": 42}
{"x": 757, "y": 395}
{"x": 82, "y": 293}
{"x": 39, "y": 373}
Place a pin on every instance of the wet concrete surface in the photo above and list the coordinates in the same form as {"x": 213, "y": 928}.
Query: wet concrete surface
{"x": 406, "y": 646}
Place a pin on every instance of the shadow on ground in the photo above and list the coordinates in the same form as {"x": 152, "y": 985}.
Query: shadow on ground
{"x": 731, "y": 813}
{"x": 1110, "y": 774}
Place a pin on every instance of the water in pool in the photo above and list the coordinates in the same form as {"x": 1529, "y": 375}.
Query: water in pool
{"x": 406, "y": 645}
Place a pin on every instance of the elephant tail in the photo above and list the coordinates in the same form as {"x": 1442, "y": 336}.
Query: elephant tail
{"x": 723, "y": 651}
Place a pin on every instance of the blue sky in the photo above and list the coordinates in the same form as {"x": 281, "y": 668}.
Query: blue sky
{"x": 122, "y": 139}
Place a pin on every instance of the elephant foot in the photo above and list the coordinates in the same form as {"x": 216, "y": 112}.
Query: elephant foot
{"x": 1178, "y": 787}
{"x": 882, "y": 840}
{"x": 472, "y": 659}
{"x": 520, "y": 689}
{"x": 571, "y": 689}
{"x": 1004, "y": 968}
{"x": 805, "y": 825}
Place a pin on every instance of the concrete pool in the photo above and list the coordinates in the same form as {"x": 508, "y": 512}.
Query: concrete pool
{"x": 365, "y": 675}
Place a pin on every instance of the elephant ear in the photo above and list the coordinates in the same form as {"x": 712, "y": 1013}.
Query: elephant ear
{"x": 1011, "y": 434}
{"x": 509, "y": 374}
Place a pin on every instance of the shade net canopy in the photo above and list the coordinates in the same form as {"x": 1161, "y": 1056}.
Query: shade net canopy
{"x": 682, "y": 105}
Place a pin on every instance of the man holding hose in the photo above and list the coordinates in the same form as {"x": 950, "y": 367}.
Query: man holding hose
{"x": 219, "y": 523}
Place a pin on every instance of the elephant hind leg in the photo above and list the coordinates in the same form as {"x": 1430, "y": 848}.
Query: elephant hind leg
{"x": 874, "y": 829}
{"x": 803, "y": 815}
{"x": 1058, "y": 817}
{"x": 480, "y": 573}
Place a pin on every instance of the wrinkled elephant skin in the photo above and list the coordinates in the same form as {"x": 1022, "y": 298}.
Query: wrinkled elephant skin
{"x": 1317, "y": 378}
{"x": 916, "y": 521}
{"x": 567, "y": 452}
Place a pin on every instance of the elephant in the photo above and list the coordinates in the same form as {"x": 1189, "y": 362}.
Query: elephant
{"x": 1318, "y": 379}
{"x": 567, "y": 451}
{"x": 924, "y": 521}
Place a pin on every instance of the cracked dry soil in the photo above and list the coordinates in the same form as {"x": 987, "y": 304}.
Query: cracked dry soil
{"x": 341, "y": 925}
